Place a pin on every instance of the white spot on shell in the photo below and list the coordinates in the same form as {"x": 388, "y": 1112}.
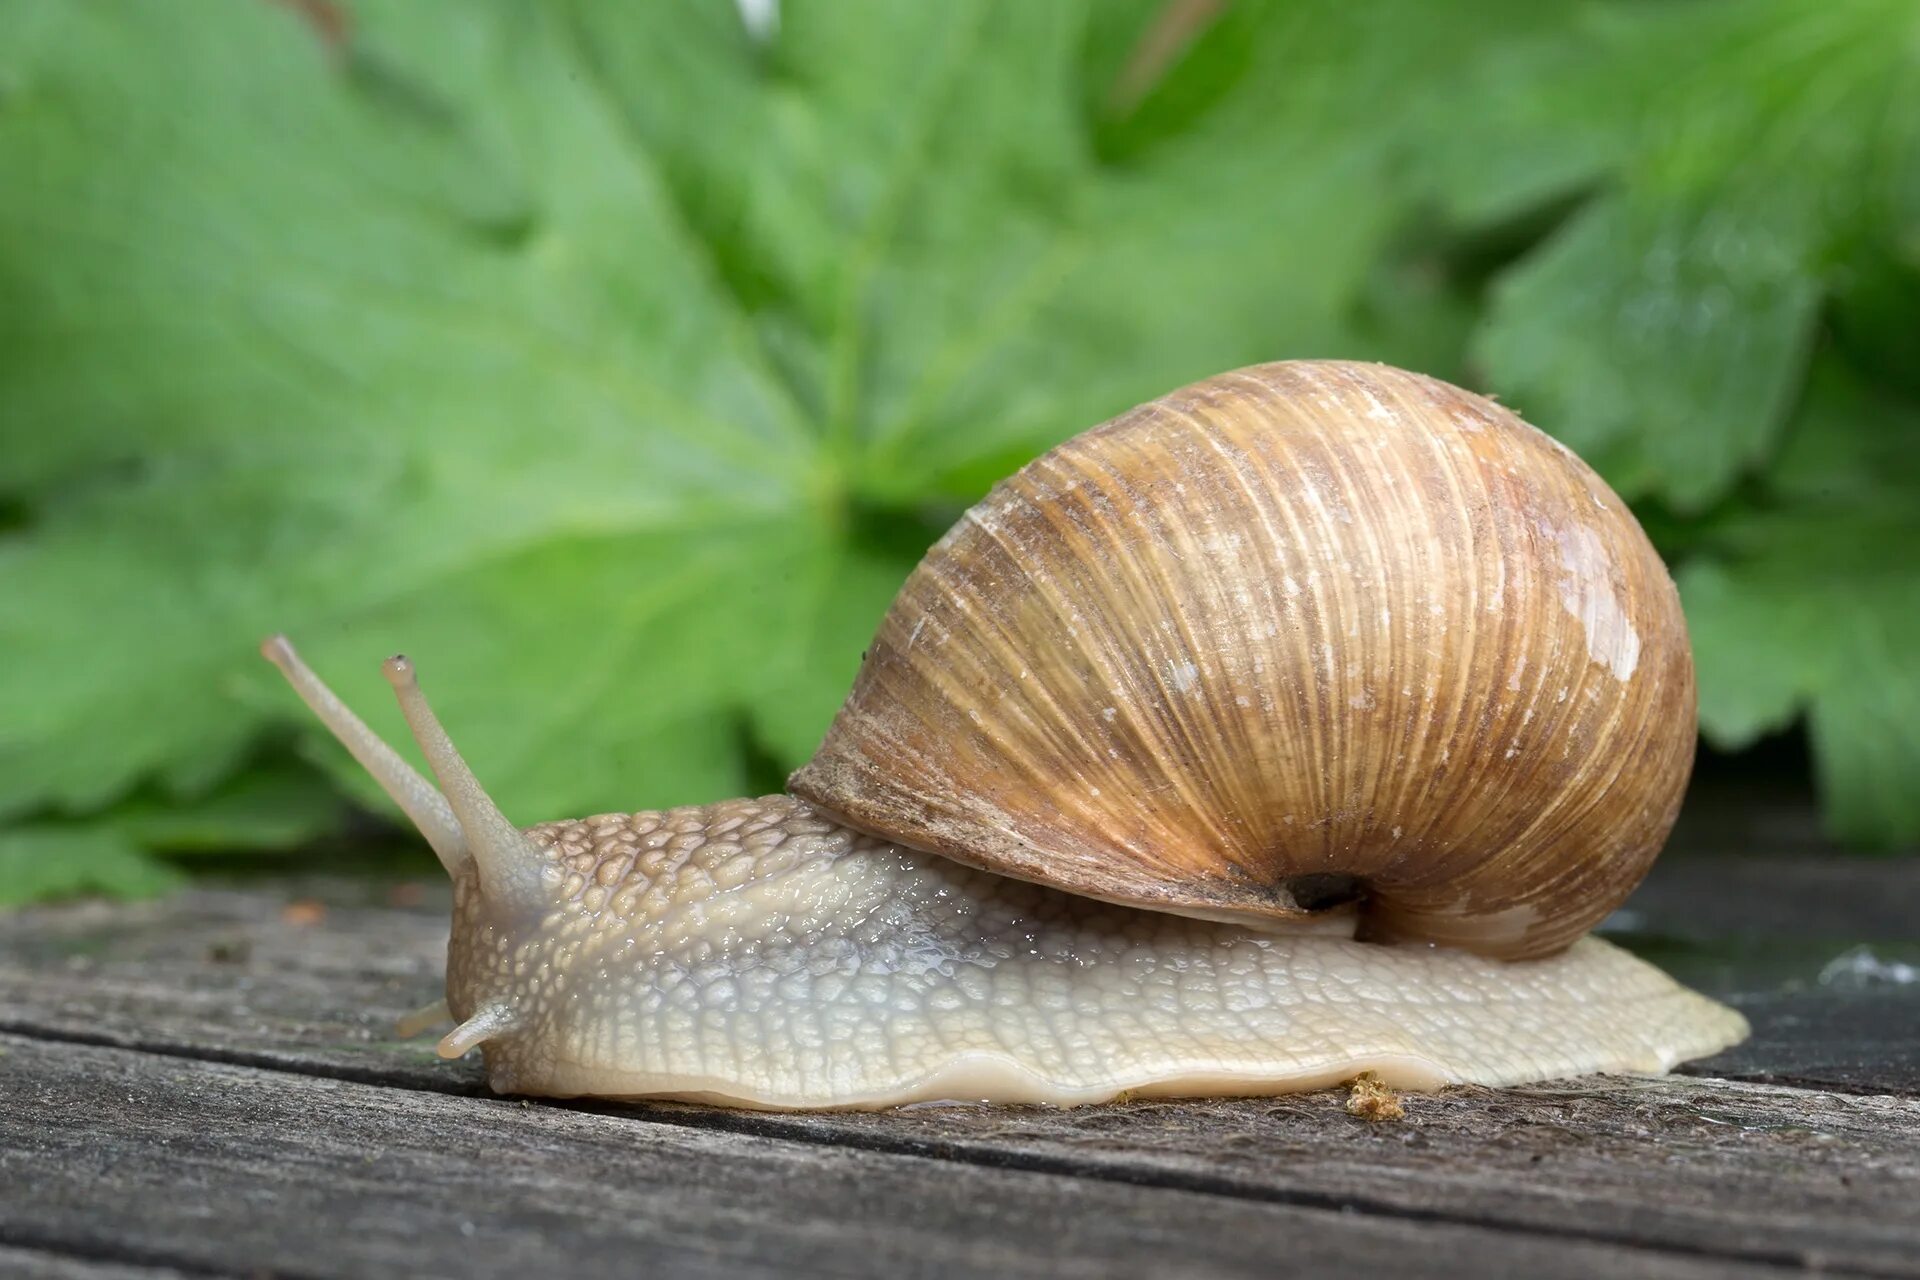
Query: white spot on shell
{"x": 1375, "y": 408}
{"x": 1586, "y": 590}
{"x": 1327, "y": 505}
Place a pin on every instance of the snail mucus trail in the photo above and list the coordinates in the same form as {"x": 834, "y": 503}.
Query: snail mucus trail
{"x": 1295, "y": 634}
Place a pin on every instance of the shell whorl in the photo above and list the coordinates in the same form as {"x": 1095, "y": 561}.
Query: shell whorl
{"x": 1294, "y": 629}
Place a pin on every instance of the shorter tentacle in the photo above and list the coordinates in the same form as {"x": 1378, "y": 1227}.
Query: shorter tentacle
{"x": 416, "y": 796}
{"x": 487, "y": 1022}
{"x": 425, "y": 1018}
{"x": 510, "y": 864}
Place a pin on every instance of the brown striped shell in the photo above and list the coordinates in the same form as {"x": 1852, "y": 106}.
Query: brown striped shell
{"x": 1298, "y": 633}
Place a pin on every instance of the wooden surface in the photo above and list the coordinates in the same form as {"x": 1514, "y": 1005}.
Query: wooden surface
{"x": 210, "y": 1085}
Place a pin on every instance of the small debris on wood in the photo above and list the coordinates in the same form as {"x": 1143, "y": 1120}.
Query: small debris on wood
{"x": 303, "y": 913}
{"x": 1370, "y": 1098}
{"x": 229, "y": 951}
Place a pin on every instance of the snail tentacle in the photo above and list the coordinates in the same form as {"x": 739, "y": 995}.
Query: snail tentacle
{"x": 425, "y": 1018}
{"x": 419, "y": 799}
{"x": 487, "y": 1022}
{"x": 510, "y": 865}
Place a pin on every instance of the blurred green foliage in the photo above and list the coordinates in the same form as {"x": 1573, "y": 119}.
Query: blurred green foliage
{"x": 618, "y": 362}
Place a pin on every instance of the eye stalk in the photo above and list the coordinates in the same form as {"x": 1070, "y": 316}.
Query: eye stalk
{"x": 510, "y": 865}
{"x": 417, "y": 797}
{"x": 488, "y": 1022}
{"x": 459, "y": 819}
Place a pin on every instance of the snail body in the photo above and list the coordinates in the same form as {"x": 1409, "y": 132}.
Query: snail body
{"x": 1294, "y": 725}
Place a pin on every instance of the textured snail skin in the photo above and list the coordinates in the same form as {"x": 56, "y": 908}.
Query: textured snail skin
{"x": 1311, "y": 624}
{"x": 755, "y": 953}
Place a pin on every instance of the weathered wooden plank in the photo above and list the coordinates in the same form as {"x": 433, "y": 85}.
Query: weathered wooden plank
{"x": 269, "y": 976}
{"x": 1808, "y": 948}
{"x": 1825, "y": 900}
{"x": 1739, "y": 1170}
{"x": 1734, "y": 1169}
{"x": 1863, "y": 1041}
{"x": 37, "y": 1264}
{"x": 237, "y": 1169}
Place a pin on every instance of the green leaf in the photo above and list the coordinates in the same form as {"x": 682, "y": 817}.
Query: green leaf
{"x": 131, "y": 850}
{"x": 1663, "y": 332}
{"x": 1693, "y": 333}
{"x": 616, "y": 362}
{"x": 306, "y": 364}
{"x": 273, "y": 805}
{"x": 1811, "y": 604}
{"x": 37, "y": 863}
{"x": 559, "y": 344}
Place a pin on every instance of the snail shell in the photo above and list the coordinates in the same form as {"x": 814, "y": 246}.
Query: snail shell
{"x": 1303, "y": 635}
{"x": 1297, "y": 632}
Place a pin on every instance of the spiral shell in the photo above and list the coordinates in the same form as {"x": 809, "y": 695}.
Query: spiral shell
{"x": 1299, "y": 634}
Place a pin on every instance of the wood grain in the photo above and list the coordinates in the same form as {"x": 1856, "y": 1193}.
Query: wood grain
{"x": 215, "y": 1167}
{"x": 1761, "y": 930}
{"x": 37, "y": 1264}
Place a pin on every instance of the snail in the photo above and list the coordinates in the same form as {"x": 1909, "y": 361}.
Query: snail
{"x": 1297, "y": 724}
